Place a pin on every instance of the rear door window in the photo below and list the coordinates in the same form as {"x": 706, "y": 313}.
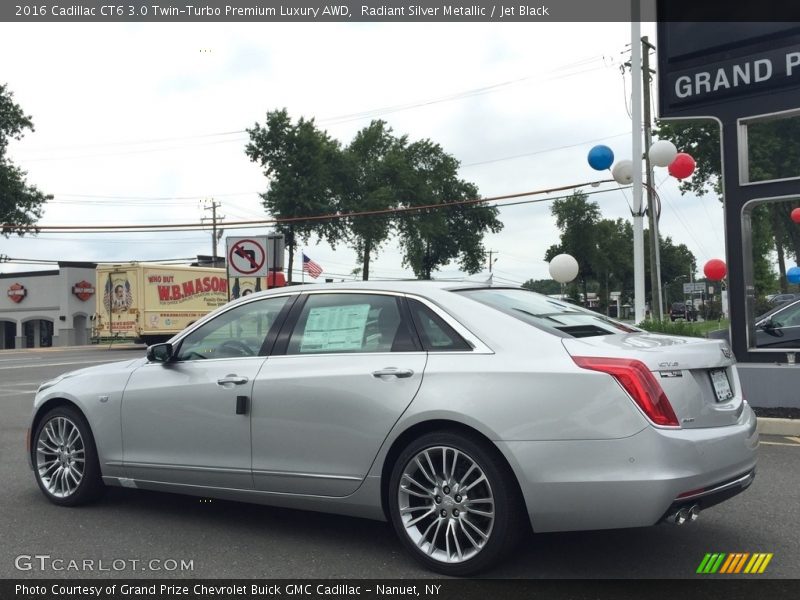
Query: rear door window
{"x": 555, "y": 316}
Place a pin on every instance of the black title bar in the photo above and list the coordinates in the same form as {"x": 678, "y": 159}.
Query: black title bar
{"x": 394, "y": 11}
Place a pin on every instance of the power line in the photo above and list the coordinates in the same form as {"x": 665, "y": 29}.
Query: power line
{"x": 59, "y": 195}
{"x": 245, "y": 224}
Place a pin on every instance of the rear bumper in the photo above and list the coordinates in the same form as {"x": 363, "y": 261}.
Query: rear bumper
{"x": 713, "y": 495}
{"x": 632, "y": 482}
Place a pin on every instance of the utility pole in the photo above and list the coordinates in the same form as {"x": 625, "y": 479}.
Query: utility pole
{"x": 656, "y": 310}
{"x": 491, "y": 262}
{"x": 636, "y": 155}
{"x": 214, "y": 237}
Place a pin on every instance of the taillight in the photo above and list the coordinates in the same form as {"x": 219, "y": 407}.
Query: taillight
{"x": 639, "y": 382}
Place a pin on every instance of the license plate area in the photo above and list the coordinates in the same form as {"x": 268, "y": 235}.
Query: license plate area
{"x": 721, "y": 384}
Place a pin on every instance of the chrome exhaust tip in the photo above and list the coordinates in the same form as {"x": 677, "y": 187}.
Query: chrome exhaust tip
{"x": 694, "y": 513}
{"x": 681, "y": 516}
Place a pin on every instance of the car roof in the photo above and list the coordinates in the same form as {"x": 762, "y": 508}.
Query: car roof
{"x": 410, "y": 286}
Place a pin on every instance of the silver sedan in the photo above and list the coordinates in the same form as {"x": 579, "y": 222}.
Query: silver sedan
{"x": 464, "y": 415}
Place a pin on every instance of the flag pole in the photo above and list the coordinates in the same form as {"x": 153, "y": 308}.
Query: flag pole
{"x": 303, "y": 266}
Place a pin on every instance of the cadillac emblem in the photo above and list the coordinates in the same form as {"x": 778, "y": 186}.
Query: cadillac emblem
{"x": 83, "y": 290}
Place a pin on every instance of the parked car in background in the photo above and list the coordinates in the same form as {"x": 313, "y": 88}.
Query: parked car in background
{"x": 682, "y": 310}
{"x": 776, "y": 328}
{"x": 463, "y": 414}
{"x": 779, "y": 299}
{"x": 780, "y": 327}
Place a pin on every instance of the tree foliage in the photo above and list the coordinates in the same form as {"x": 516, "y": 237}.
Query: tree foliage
{"x": 304, "y": 167}
{"x": 311, "y": 174}
{"x": 604, "y": 249}
{"x": 375, "y": 168}
{"x": 21, "y": 204}
{"x": 543, "y": 286}
{"x": 432, "y": 237}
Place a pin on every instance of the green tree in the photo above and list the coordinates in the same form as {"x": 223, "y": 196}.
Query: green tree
{"x": 376, "y": 167}
{"x": 577, "y": 218}
{"x": 613, "y": 263}
{"x": 543, "y": 286}
{"x": 432, "y": 237}
{"x": 305, "y": 168}
{"x": 21, "y": 204}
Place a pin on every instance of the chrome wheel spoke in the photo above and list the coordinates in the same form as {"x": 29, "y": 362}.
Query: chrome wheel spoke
{"x": 73, "y": 436}
{"x": 424, "y": 537}
{"x": 45, "y": 468}
{"x": 480, "y": 479}
{"x": 482, "y": 513}
{"x": 467, "y": 535}
{"x": 410, "y": 509}
{"x": 46, "y": 446}
{"x": 456, "y": 454}
{"x": 464, "y": 477}
{"x": 407, "y": 477}
{"x": 483, "y": 536}
{"x": 416, "y": 520}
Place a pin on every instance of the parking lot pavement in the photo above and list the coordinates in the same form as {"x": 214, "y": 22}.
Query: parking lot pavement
{"x": 228, "y": 539}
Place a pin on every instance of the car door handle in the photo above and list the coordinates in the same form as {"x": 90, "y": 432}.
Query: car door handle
{"x": 399, "y": 373}
{"x": 232, "y": 379}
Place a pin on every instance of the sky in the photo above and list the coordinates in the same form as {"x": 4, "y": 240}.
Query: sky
{"x": 144, "y": 123}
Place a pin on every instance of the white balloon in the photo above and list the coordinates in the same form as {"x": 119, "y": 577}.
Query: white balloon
{"x": 563, "y": 268}
{"x": 623, "y": 172}
{"x": 662, "y": 153}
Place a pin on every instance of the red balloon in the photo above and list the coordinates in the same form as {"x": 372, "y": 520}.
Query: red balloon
{"x": 682, "y": 166}
{"x": 796, "y": 215}
{"x": 715, "y": 269}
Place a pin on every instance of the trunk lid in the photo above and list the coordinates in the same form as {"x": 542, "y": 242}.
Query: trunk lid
{"x": 696, "y": 374}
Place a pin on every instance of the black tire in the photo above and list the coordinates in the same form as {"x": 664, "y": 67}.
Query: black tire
{"x": 90, "y": 485}
{"x": 509, "y": 515}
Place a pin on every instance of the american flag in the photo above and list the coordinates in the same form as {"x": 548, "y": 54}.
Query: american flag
{"x": 310, "y": 267}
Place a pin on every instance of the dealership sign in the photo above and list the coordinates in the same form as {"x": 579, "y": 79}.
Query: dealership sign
{"x": 83, "y": 290}
{"x": 727, "y": 78}
{"x": 745, "y": 76}
{"x": 17, "y": 292}
{"x": 703, "y": 66}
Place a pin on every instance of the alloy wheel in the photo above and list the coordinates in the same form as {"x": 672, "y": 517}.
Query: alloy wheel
{"x": 446, "y": 504}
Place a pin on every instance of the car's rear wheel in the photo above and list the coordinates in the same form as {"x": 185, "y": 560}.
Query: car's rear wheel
{"x": 65, "y": 458}
{"x": 454, "y": 503}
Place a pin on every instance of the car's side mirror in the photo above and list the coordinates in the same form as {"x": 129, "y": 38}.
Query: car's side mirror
{"x": 771, "y": 327}
{"x": 159, "y": 353}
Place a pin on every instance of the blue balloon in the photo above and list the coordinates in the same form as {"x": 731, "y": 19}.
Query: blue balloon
{"x": 793, "y": 275}
{"x": 601, "y": 158}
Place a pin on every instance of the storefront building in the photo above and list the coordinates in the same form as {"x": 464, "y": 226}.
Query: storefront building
{"x": 39, "y": 309}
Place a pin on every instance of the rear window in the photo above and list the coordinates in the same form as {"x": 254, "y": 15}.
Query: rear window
{"x": 546, "y": 313}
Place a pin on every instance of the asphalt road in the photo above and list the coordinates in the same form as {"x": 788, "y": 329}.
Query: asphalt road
{"x": 228, "y": 539}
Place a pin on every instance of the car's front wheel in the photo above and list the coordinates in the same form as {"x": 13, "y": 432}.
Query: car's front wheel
{"x": 65, "y": 458}
{"x": 454, "y": 504}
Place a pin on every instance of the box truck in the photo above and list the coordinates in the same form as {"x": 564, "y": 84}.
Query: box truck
{"x": 152, "y": 302}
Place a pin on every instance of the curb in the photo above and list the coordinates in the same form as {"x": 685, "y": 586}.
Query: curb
{"x": 767, "y": 426}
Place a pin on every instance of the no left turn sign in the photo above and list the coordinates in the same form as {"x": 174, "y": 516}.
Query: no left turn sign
{"x": 247, "y": 257}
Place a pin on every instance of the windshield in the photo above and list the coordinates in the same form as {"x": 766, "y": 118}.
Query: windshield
{"x": 547, "y": 313}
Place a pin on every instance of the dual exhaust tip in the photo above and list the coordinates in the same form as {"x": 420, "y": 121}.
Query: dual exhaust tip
{"x": 684, "y": 515}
